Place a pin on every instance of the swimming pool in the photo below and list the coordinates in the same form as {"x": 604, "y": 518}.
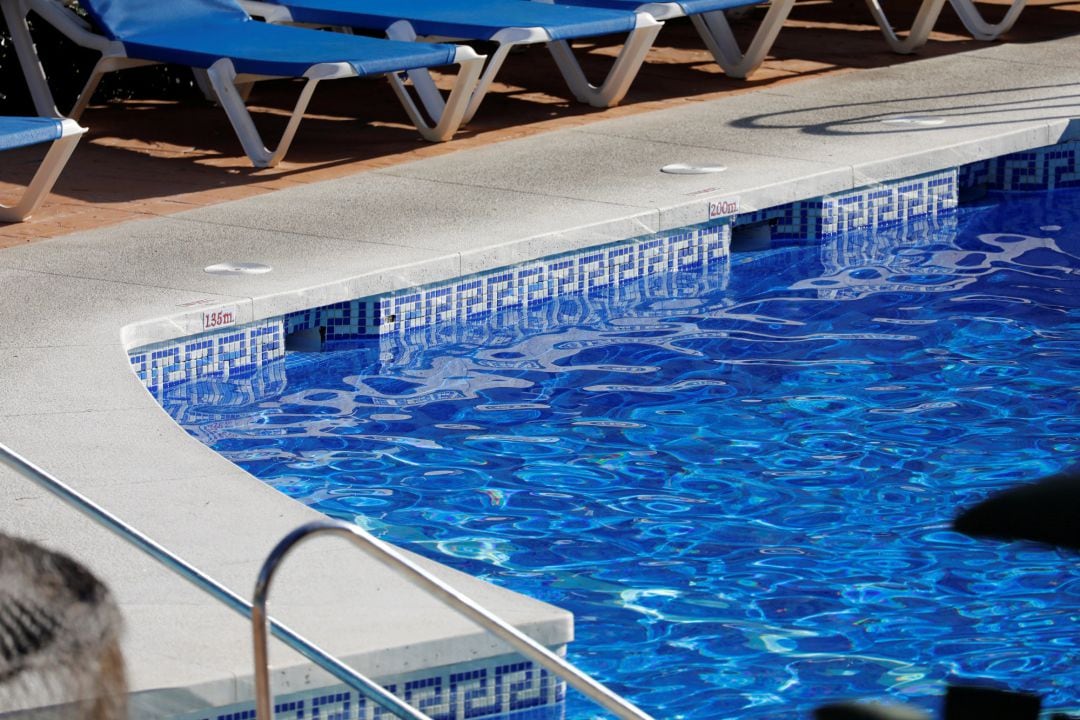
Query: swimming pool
{"x": 742, "y": 489}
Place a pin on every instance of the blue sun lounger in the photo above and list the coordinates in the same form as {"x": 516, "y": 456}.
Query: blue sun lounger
{"x": 17, "y": 132}
{"x": 709, "y": 20}
{"x": 235, "y": 50}
{"x": 509, "y": 23}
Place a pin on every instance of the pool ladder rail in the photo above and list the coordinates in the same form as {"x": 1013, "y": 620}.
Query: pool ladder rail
{"x": 263, "y": 624}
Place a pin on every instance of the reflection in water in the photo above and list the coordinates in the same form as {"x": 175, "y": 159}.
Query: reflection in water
{"x": 740, "y": 481}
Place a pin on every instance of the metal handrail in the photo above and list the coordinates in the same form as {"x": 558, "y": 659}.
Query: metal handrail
{"x": 103, "y": 517}
{"x": 394, "y": 560}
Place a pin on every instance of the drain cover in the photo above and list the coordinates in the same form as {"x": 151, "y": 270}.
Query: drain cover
{"x": 237, "y": 268}
{"x": 685, "y": 169}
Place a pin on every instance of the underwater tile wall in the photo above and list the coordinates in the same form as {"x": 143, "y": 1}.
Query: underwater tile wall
{"x": 531, "y": 284}
{"x": 234, "y": 352}
{"x": 502, "y": 690}
{"x": 1046, "y": 168}
{"x": 878, "y": 206}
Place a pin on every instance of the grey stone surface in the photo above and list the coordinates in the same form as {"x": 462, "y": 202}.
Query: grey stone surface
{"x": 37, "y": 308}
{"x": 606, "y": 167}
{"x": 1037, "y": 56}
{"x": 173, "y": 252}
{"x": 379, "y": 207}
{"x": 70, "y": 307}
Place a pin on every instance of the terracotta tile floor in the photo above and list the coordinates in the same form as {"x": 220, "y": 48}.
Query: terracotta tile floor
{"x": 151, "y": 158}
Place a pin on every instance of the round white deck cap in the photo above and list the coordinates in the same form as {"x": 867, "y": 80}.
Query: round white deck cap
{"x": 917, "y": 120}
{"x": 237, "y": 268}
{"x": 687, "y": 169}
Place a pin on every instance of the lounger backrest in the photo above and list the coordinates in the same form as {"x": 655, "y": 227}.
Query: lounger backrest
{"x": 123, "y": 18}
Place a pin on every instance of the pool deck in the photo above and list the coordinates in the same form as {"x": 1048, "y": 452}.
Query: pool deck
{"x": 71, "y": 306}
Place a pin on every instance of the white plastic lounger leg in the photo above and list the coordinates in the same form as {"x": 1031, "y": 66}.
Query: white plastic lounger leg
{"x": 75, "y": 29}
{"x": 15, "y": 13}
{"x": 103, "y": 66}
{"x": 202, "y": 81}
{"x": 920, "y": 29}
{"x": 222, "y": 77}
{"x": 46, "y": 175}
{"x": 716, "y": 32}
{"x": 622, "y": 73}
{"x": 491, "y": 69}
{"x": 977, "y": 25}
{"x": 421, "y": 78}
{"x": 447, "y": 122}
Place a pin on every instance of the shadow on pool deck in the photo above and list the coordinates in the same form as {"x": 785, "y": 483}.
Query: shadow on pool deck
{"x": 148, "y": 158}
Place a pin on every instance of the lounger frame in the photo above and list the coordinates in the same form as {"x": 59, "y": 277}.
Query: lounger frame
{"x": 927, "y": 17}
{"x": 608, "y": 93}
{"x": 718, "y": 37}
{"x": 45, "y": 176}
{"x": 229, "y": 87}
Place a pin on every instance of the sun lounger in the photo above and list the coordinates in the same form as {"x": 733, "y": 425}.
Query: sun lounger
{"x": 16, "y": 132}
{"x": 927, "y": 17}
{"x": 509, "y": 23}
{"x": 708, "y": 17}
{"x": 235, "y": 50}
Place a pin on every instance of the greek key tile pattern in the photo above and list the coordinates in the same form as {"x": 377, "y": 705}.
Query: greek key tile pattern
{"x": 234, "y": 352}
{"x": 342, "y": 321}
{"x": 881, "y": 206}
{"x": 1045, "y": 168}
{"x": 511, "y": 325}
{"x": 890, "y": 204}
{"x": 473, "y": 692}
{"x": 584, "y": 274}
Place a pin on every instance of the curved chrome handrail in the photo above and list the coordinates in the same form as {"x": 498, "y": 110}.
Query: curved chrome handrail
{"x": 394, "y": 560}
{"x": 103, "y": 517}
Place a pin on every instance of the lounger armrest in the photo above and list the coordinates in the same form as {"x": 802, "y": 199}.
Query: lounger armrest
{"x": 662, "y": 10}
{"x": 465, "y": 54}
{"x": 270, "y": 12}
{"x": 646, "y": 19}
{"x": 329, "y": 71}
{"x": 70, "y": 127}
{"x": 521, "y": 35}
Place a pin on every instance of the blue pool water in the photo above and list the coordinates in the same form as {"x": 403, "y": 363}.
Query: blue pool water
{"x": 740, "y": 480}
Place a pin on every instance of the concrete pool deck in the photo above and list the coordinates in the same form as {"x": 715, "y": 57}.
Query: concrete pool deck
{"x": 71, "y": 306}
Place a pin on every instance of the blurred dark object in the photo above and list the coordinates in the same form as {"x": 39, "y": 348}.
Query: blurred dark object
{"x": 59, "y": 638}
{"x": 868, "y": 711}
{"x": 68, "y": 66}
{"x": 968, "y": 702}
{"x": 1047, "y": 511}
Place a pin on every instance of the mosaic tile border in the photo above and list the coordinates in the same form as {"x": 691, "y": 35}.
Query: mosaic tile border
{"x": 1046, "y": 168}
{"x": 505, "y": 688}
{"x": 223, "y": 354}
{"x": 498, "y": 299}
{"x": 529, "y": 285}
{"x": 874, "y": 207}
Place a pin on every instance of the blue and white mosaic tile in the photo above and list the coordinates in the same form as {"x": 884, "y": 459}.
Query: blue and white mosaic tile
{"x": 340, "y": 321}
{"x": 499, "y": 690}
{"x": 232, "y": 352}
{"x": 873, "y": 207}
{"x": 585, "y": 274}
{"x": 1047, "y": 168}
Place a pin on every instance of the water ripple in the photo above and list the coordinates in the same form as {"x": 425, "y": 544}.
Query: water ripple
{"x": 743, "y": 494}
